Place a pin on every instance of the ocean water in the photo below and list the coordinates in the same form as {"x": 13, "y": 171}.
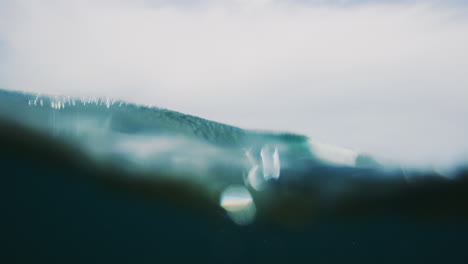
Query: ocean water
{"x": 103, "y": 181}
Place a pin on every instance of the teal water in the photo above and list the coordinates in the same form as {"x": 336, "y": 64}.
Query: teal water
{"x": 102, "y": 181}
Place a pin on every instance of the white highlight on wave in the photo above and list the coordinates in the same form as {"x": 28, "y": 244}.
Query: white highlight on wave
{"x": 333, "y": 154}
{"x": 269, "y": 163}
{"x": 60, "y": 102}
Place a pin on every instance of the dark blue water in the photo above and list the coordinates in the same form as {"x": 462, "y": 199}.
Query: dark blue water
{"x": 61, "y": 204}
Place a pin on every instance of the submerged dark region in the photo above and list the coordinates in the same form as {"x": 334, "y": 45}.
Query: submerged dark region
{"x": 77, "y": 188}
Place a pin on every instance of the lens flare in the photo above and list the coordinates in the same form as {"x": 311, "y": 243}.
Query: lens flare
{"x": 239, "y": 204}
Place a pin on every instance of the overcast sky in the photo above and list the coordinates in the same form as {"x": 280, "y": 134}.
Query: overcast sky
{"x": 388, "y": 78}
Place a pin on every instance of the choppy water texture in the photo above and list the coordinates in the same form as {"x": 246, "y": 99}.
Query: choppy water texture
{"x": 98, "y": 181}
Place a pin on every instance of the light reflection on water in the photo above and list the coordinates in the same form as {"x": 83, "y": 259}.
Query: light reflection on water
{"x": 239, "y": 204}
{"x": 270, "y": 162}
{"x": 265, "y": 169}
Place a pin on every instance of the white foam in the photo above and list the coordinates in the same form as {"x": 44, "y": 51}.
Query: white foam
{"x": 333, "y": 154}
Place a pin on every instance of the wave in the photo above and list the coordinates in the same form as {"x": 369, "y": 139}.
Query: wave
{"x": 97, "y": 181}
{"x": 246, "y": 173}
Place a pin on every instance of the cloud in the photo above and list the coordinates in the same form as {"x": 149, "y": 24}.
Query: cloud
{"x": 389, "y": 79}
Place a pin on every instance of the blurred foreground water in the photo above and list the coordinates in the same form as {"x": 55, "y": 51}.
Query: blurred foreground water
{"x": 103, "y": 181}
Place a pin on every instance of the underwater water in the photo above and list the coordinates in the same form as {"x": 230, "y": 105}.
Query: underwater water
{"x": 102, "y": 181}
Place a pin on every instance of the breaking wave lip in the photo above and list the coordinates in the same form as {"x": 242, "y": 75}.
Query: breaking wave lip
{"x": 223, "y": 166}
